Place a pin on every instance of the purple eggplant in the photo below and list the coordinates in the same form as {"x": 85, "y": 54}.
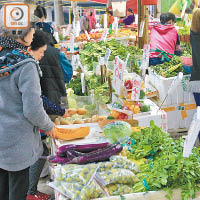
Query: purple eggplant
{"x": 70, "y": 155}
{"x": 59, "y": 160}
{"x": 62, "y": 150}
{"x": 80, "y": 148}
{"x": 99, "y": 156}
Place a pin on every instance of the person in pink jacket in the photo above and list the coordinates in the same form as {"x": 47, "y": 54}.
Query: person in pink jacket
{"x": 164, "y": 40}
{"x": 92, "y": 21}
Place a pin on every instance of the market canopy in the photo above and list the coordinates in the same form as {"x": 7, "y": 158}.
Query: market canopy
{"x": 130, "y": 4}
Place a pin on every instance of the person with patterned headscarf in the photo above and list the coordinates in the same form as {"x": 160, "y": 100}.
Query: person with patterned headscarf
{"x": 22, "y": 112}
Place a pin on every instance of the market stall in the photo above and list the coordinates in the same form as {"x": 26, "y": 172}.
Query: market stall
{"x": 117, "y": 143}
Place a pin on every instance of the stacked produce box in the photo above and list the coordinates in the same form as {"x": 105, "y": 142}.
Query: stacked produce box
{"x": 179, "y": 105}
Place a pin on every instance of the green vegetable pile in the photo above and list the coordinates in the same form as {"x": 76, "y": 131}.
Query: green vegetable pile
{"x": 93, "y": 51}
{"x": 165, "y": 168}
{"x": 169, "y": 69}
{"x": 185, "y": 30}
{"x": 187, "y": 51}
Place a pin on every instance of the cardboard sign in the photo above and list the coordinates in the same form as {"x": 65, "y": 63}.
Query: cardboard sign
{"x": 192, "y": 134}
{"x": 118, "y": 75}
{"x": 141, "y": 29}
{"x": 83, "y": 82}
{"x": 135, "y": 96}
{"x": 71, "y": 43}
{"x": 107, "y": 55}
{"x": 104, "y": 36}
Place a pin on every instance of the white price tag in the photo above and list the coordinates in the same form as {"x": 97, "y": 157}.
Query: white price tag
{"x": 141, "y": 29}
{"x": 135, "y": 96}
{"x": 83, "y": 82}
{"x": 107, "y": 55}
{"x": 79, "y": 64}
{"x": 145, "y": 61}
{"x": 184, "y": 8}
{"x": 74, "y": 62}
{"x": 126, "y": 62}
{"x": 72, "y": 43}
{"x": 87, "y": 35}
{"x": 118, "y": 75}
{"x": 105, "y": 21}
{"x": 101, "y": 61}
{"x": 192, "y": 134}
{"x": 104, "y": 36}
{"x": 115, "y": 25}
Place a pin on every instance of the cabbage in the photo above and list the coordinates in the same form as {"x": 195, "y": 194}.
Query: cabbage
{"x": 118, "y": 130}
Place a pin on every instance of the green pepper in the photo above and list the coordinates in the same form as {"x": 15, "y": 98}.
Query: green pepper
{"x": 110, "y": 117}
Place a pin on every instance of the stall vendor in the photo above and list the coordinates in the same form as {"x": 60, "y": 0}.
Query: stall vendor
{"x": 130, "y": 18}
{"x": 164, "y": 40}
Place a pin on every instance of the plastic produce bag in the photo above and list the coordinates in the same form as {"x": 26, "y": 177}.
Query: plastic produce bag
{"x": 93, "y": 190}
{"x": 118, "y": 176}
{"x": 122, "y": 162}
{"x": 73, "y": 178}
{"x": 81, "y": 175}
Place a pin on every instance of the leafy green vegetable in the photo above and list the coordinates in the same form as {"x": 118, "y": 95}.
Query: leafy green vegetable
{"x": 93, "y": 51}
{"x": 166, "y": 168}
{"x": 116, "y": 130}
{"x": 169, "y": 69}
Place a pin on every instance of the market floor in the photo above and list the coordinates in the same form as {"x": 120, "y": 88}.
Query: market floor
{"x": 43, "y": 187}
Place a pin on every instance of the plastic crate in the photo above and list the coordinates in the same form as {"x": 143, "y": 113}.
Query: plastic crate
{"x": 83, "y": 102}
{"x": 186, "y": 61}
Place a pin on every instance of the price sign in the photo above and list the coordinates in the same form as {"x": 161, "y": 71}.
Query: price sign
{"x": 192, "y": 134}
{"x": 74, "y": 62}
{"x": 87, "y": 35}
{"x": 141, "y": 29}
{"x": 79, "y": 64}
{"x": 104, "y": 36}
{"x": 115, "y": 25}
{"x": 135, "y": 96}
{"x": 126, "y": 62}
{"x": 145, "y": 61}
{"x": 105, "y": 21}
{"x": 107, "y": 55}
{"x": 184, "y": 8}
{"x": 72, "y": 43}
{"x": 118, "y": 74}
{"x": 83, "y": 82}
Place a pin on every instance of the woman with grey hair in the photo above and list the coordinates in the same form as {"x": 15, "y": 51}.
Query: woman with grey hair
{"x": 22, "y": 113}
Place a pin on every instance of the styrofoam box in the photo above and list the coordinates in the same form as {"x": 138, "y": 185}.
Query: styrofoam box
{"x": 162, "y": 85}
{"x": 174, "y": 118}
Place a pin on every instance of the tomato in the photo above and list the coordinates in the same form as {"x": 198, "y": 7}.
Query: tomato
{"x": 122, "y": 116}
